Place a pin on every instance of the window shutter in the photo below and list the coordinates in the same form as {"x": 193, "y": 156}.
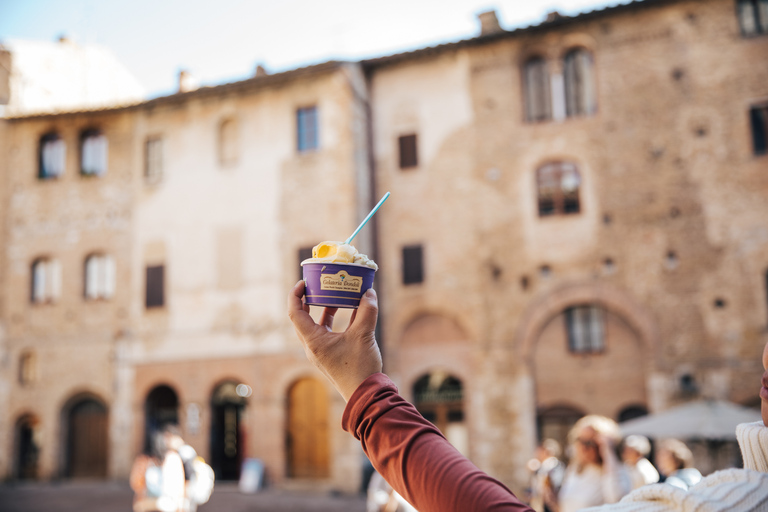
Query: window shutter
{"x": 408, "y": 151}
{"x": 155, "y": 292}
{"x": 109, "y": 277}
{"x": 38, "y": 281}
{"x": 91, "y": 278}
{"x": 413, "y": 266}
{"x": 55, "y": 279}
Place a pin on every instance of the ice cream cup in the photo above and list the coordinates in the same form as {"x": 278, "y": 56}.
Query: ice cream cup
{"x": 337, "y": 285}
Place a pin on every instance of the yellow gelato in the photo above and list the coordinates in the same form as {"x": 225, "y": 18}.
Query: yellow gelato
{"x": 339, "y": 252}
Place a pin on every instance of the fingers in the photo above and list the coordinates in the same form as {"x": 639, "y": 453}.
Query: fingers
{"x": 326, "y": 320}
{"x": 364, "y": 318}
{"x": 297, "y": 310}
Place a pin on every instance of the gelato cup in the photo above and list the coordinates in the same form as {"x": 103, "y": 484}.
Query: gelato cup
{"x": 337, "y": 285}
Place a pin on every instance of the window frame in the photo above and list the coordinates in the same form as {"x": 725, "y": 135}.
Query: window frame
{"x": 590, "y": 342}
{"x": 93, "y": 133}
{"x": 408, "y": 151}
{"x": 562, "y": 204}
{"x": 49, "y": 291}
{"x": 579, "y": 82}
{"x": 410, "y": 274}
{"x": 154, "y": 296}
{"x": 531, "y": 109}
{"x": 43, "y": 171}
{"x": 104, "y": 288}
{"x": 228, "y": 139}
{"x": 307, "y": 129}
{"x": 760, "y": 24}
{"x": 154, "y": 158}
{"x": 759, "y": 146}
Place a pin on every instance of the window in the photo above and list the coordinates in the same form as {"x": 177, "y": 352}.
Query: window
{"x": 153, "y": 170}
{"x": 53, "y": 153}
{"x": 306, "y": 129}
{"x": 585, "y": 329}
{"x": 229, "y": 142}
{"x": 413, "y": 265}
{"x": 93, "y": 153}
{"x": 99, "y": 277}
{"x": 304, "y": 254}
{"x": 46, "y": 280}
{"x": 758, "y": 117}
{"x": 579, "y": 83}
{"x": 753, "y": 16}
{"x": 408, "y": 154}
{"x": 537, "y": 96}
{"x": 27, "y": 368}
{"x": 155, "y": 287}
{"x": 557, "y": 186}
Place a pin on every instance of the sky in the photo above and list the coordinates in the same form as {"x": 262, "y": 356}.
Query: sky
{"x": 223, "y": 41}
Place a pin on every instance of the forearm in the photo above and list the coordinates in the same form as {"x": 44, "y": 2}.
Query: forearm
{"x": 415, "y": 458}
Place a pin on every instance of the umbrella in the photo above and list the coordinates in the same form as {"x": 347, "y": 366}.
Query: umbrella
{"x": 700, "y": 419}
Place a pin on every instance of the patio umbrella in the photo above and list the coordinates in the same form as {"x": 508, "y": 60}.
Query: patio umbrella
{"x": 700, "y": 419}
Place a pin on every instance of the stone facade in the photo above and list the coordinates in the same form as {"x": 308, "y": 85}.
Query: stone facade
{"x": 669, "y": 243}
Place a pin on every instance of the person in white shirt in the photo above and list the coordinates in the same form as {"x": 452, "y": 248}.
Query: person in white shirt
{"x": 635, "y": 456}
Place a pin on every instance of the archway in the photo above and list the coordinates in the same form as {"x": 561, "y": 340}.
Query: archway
{"x": 161, "y": 407}
{"x": 227, "y": 435}
{"x": 307, "y": 446}
{"x": 86, "y": 438}
{"x": 27, "y": 443}
{"x": 556, "y": 421}
{"x": 439, "y": 397}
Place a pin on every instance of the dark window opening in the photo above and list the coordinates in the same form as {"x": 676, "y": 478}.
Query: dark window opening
{"x": 758, "y": 117}
{"x": 306, "y": 129}
{"x": 753, "y": 16}
{"x": 586, "y": 333}
{"x": 408, "y": 151}
{"x": 413, "y": 264}
{"x": 93, "y": 153}
{"x": 155, "y": 287}
{"x": 719, "y": 303}
{"x": 557, "y": 187}
{"x": 52, "y": 155}
{"x": 579, "y": 83}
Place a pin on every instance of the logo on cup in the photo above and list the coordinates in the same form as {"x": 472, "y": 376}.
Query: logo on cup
{"x": 341, "y": 282}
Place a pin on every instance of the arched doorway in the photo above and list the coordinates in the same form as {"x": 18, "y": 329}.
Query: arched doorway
{"x": 27, "y": 444}
{"x": 161, "y": 407}
{"x": 86, "y": 438}
{"x": 555, "y": 422}
{"x": 439, "y": 397}
{"x": 227, "y": 436}
{"x": 307, "y": 444}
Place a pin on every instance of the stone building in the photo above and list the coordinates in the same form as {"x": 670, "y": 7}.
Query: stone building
{"x": 577, "y": 225}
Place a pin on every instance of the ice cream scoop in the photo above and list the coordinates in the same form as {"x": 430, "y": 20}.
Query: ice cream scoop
{"x": 339, "y": 252}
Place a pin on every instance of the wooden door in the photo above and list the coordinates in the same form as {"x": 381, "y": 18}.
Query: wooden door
{"x": 87, "y": 446}
{"x": 307, "y": 436}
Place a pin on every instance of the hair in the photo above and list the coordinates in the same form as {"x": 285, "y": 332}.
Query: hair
{"x": 552, "y": 447}
{"x": 600, "y": 424}
{"x": 640, "y": 444}
{"x": 679, "y": 451}
{"x": 171, "y": 428}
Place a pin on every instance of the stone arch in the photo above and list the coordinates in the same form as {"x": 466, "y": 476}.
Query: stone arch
{"x": 550, "y": 305}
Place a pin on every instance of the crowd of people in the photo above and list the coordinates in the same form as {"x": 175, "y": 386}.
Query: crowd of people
{"x": 595, "y": 475}
{"x": 421, "y": 466}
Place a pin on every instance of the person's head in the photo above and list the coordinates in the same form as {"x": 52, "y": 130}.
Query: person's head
{"x": 548, "y": 448}
{"x": 585, "y": 436}
{"x": 635, "y": 448}
{"x": 764, "y": 389}
{"x": 672, "y": 456}
{"x": 171, "y": 435}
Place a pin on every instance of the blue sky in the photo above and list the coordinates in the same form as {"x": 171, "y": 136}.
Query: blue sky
{"x": 225, "y": 40}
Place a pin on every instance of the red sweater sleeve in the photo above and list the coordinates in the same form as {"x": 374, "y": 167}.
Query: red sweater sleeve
{"x": 414, "y": 457}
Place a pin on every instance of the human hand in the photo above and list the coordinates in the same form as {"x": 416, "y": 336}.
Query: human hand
{"x": 346, "y": 358}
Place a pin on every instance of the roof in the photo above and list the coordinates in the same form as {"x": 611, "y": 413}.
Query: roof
{"x": 557, "y": 21}
{"x": 369, "y": 64}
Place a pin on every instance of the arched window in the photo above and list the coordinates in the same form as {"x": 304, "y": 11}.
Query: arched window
{"x": 52, "y": 155}
{"x": 99, "y": 277}
{"x": 229, "y": 142}
{"x": 538, "y": 101}
{"x": 439, "y": 397}
{"x": 27, "y": 368}
{"x": 557, "y": 186}
{"x": 93, "y": 153}
{"x": 46, "y": 280}
{"x": 579, "y": 83}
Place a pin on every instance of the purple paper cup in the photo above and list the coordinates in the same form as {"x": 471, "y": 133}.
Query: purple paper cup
{"x": 336, "y": 285}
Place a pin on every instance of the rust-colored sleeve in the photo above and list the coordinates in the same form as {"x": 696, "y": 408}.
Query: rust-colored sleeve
{"x": 415, "y": 458}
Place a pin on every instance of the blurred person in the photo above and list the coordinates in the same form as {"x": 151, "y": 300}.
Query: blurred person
{"x": 595, "y": 475}
{"x": 675, "y": 461}
{"x": 547, "y": 476}
{"x": 383, "y": 498}
{"x": 145, "y": 479}
{"x": 158, "y": 480}
{"x": 420, "y": 464}
{"x": 634, "y": 454}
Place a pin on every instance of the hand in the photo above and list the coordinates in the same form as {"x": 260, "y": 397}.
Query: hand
{"x": 346, "y": 358}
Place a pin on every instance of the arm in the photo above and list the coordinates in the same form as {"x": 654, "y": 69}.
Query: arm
{"x": 410, "y": 452}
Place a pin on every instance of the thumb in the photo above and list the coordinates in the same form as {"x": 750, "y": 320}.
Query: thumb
{"x": 367, "y": 312}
